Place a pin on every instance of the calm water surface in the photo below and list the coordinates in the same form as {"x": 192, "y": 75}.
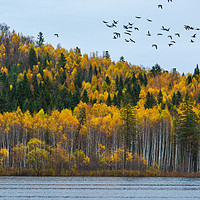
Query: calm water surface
{"x": 59, "y": 188}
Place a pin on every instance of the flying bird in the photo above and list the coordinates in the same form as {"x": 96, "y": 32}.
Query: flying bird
{"x": 109, "y": 26}
{"x": 160, "y": 6}
{"x": 148, "y": 34}
{"x": 115, "y": 22}
{"x": 177, "y": 34}
{"x": 193, "y": 36}
{"x": 173, "y": 41}
{"x": 125, "y": 26}
{"x": 105, "y": 22}
{"x": 138, "y": 17}
{"x": 159, "y": 34}
{"x": 56, "y": 34}
{"x": 155, "y": 45}
{"x": 149, "y": 20}
{"x": 192, "y": 41}
{"x": 117, "y": 34}
{"x": 127, "y": 33}
{"x": 132, "y": 40}
{"x": 170, "y": 45}
{"x": 170, "y": 37}
{"x": 164, "y": 29}
{"x": 136, "y": 28}
{"x": 126, "y": 40}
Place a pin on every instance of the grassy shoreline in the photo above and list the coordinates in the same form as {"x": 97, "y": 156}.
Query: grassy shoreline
{"x": 97, "y": 173}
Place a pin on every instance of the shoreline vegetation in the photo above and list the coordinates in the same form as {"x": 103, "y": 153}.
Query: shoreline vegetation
{"x": 98, "y": 173}
{"x": 64, "y": 113}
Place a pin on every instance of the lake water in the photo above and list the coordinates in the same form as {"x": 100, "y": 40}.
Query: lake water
{"x": 59, "y": 188}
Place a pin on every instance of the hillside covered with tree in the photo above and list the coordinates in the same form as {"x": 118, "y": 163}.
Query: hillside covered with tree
{"x": 61, "y": 110}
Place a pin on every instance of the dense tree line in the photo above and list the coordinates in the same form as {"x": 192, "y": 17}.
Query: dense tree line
{"x": 63, "y": 110}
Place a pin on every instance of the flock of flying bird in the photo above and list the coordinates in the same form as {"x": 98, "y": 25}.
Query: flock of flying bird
{"x": 130, "y": 28}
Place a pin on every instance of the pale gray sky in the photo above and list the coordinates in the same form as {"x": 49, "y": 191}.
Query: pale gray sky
{"x": 79, "y": 23}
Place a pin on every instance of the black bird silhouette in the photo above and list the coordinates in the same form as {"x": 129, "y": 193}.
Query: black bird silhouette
{"x": 170, "y": 37}
{"x": 105, "y": 22}
{"x": 160, "y": 6}
{"x": 148, "y": 34}
{"x": 117, "y": 34}
{"x": 155, "y": 45}
{"x": 177, "y": 34}
{"x": 132, "y": 40}
{"x": 173, "y": 41}
{"x": 149, "y": 20}
{"x": 126, "y": 40}
{"x": 138, "y": 17}
{"x": 164, "y": 29}
{"x": 130, "y": 24}
{"x": 56, "y": 34}
{"x": 109, "y": 26}
{"x": 136, "y": 28}
{"x": 159, "y": 34}
{"x": 127, "y": 33}
{"x": 114, "y": 37}
{"x": 115, "y": 22}
{"x": 193, "y": 36}
{"x": 114, "y": 25}
{"x": 192, "y": 41}
{"x": 187, "y": 27}
{"x": 125, "y": 26}
{"x": 198, "y": 29}
{"x": 170, "y": 45}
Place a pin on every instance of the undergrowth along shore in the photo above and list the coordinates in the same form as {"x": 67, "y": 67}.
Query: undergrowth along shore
{"x": 98, "y": 173}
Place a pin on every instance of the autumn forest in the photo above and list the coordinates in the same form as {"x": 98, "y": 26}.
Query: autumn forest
{"x": 64, "y": 112}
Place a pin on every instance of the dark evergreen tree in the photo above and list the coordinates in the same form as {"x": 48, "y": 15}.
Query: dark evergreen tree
{"x": 150, "y": 101}
{"x": 90, "y": 74}
{"x": 141, "y": 78}
{"x": 115, "y": 100}
{"x": 134, "y": 79}
{"x": 95, "y": 70}
{"x": 156, "y": 70}
{"x": 108, "y": 80}
{"x": 62, "y": 60}
{"x": 145, "y": 80}
{"x": 198, "y": 99}
{"x": 135, "y": 93}
{"x": 128, "y": 128}
{"x": 160, "y": 97}
{"x": 117, "y": 82}
{"x": 121, "y": 83}
{"x": 189, "y": 79}
{"x": 188, "y": 134}
{"x": 78, "y": 80}
{"x": 196, "y": 70}
{"x": 122, "y": 59}
{"x": 174, "y": 101}
{"x": 85, "y": 97}
{"x": 40, "y": 39}
{"x": 32, "y": 58}
{"x": 97, "y": 87}
{"x": 108, "y": 101}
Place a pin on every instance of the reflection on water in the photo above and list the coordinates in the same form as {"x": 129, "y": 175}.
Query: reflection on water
{"x": 59, "y": 188}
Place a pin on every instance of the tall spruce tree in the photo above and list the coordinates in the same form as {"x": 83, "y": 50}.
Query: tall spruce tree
{"x": 188, "y": 135}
